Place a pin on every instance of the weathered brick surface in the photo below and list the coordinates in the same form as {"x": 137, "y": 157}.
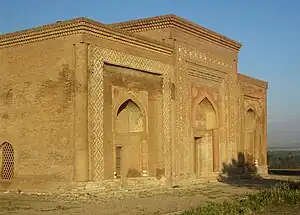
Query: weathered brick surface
{"x": 36, "y": 109}
{"x": 63, "y": 86}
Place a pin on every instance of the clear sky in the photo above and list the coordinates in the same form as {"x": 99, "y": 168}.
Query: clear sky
{"x": 268, "y": 29}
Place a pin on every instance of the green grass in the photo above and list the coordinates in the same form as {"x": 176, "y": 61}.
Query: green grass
{"x": 283, "y": 194}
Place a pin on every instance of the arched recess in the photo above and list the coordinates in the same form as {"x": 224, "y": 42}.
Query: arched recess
{"x": 206, "y": 98}
{"x": 131, "y": 96}
{"x": 206, "y": 117}
{"x": 7, "y": 161}
{"x": 130, "y": 147}
{"x": 129, "y": 118}
{"x": 206, "y": 137}
{"x": 250, "y": 135}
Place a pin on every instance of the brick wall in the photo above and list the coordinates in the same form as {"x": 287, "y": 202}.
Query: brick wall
{"x": 36, "y": 109}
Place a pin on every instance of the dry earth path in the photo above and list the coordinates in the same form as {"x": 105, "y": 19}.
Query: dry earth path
{"x": 127, "y": 203}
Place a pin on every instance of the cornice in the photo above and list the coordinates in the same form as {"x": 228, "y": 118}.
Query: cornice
{"x": 202, "y": 72}
{"x": 173, "y": 21}
{"x": 247, "y": 80}
{"x": 80, "y": 26}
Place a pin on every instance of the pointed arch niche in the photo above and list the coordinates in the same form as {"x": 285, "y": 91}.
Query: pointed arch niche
{"x": 206, "y": 137}
{"x": 129, "y": 118}
{"x": 250, "y": 134}
{"x": 130, "y": 154}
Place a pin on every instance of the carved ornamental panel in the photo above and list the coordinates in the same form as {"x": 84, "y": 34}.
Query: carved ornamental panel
{"x": 204, "y": 69}
{"x": 97, "y": 58}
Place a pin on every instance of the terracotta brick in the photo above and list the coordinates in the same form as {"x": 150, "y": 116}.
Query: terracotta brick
{"x": 165, "y": 90}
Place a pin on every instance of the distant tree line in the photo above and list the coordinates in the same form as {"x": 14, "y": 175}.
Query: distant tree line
{"x": 284, "y": 159}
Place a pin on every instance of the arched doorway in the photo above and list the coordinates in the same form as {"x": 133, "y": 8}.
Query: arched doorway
{"x": 205, "y": 137}
{"x": 130, "y": 126}
{"x": 250, "y": 133}
{"x": 7, "y": 161}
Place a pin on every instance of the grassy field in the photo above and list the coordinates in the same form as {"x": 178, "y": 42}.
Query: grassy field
{"x": 283, "y": 198}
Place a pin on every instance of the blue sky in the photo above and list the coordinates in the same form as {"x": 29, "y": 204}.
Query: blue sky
{"x": 268, "y": 29}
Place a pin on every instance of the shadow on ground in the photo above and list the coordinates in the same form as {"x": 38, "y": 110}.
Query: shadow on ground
{"x": 242, "y": 173}
{"x": 286, "y": 172}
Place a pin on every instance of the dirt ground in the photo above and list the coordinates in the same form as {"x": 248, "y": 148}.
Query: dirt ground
{"x": 157, "y": 202}
{"x": 142, "y": 203}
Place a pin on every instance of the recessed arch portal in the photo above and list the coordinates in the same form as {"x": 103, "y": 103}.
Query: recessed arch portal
{"x": 250, "y": 119}
{"x": 206, "y": 118}
{"x": 250, "y": 135}
{"x": 130, "y": 132}
{"x": 206, "y": 150}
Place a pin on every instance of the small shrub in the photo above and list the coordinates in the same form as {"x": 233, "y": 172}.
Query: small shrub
{"x": 283, "y": 193}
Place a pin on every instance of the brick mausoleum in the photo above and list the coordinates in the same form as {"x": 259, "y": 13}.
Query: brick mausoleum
{"x": 145, "y": 102}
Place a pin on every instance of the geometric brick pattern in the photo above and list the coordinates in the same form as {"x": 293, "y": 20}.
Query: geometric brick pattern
{"x": 99, "y": 56}
{"x": 181, "y": 146}
{"x": 167, "y": 124}
{"x": 95, "y": 117}
{"x": 183, "y": 106}
{"x": 232, "y": 82}
{"x": 205, "y": 58}
{"x": 223, "y": 121}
